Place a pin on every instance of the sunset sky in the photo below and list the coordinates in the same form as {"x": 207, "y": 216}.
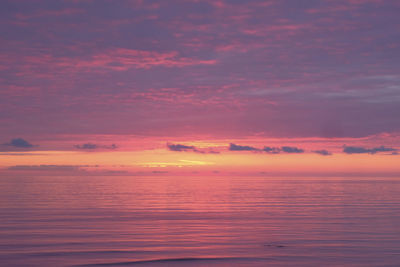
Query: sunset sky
{"x": 200, "y": 86}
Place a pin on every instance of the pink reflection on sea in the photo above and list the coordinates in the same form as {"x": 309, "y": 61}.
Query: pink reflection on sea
{"x": 199, "y": 221}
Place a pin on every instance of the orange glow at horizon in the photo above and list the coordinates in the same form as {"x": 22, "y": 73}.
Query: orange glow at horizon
{"x": 228, "y": 161}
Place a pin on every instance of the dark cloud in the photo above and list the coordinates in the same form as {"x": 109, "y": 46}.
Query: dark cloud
{"x": 19, "y": 143}
{"x": 323, "y": 152}
{"x": 91, "y": 146}
{"x": 383, "y": 149}
{"x": 355, "y": 150}
{"x": 272, "y": 150}
{"x": 267, "y": 149}
{"x": 234, "y": 147}
{"x": 87, "y": 146}
{"x": 185, "y": 148}
{"x": 180, "y": 147}
{"x": 289, "y": 149}
{"x": 363, "y": 150}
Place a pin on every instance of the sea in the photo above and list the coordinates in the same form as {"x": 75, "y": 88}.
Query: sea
{"x": 194, "y": 220}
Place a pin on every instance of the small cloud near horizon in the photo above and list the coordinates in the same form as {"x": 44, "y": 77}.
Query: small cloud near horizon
{"x": 363, "y": 150}
{"x": 91, "y": 146}
{"x": 290, "y": 149}
{"x": 270, "y": 150}
{"x": 323, "y": 152}
{"x": 19, "y": 143}
{"x": 234, "y": 147}
{"x": 180, "y": 147}
{"x": 185, "y": 148}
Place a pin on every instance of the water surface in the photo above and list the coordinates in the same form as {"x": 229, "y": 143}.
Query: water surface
{"x": 199, "y": 221}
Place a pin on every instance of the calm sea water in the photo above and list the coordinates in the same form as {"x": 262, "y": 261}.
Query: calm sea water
{"x": 199, "y": 221}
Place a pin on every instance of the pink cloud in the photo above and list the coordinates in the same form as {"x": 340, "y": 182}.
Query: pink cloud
{"x": 123, "y": 59}
{"x": 113, "y": 59}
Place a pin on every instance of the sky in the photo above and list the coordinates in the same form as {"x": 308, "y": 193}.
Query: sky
{"x": 209, "y": 86}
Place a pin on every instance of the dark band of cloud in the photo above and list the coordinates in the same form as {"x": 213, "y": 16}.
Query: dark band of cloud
{"x": 234, "y": 147}
{"x": 91, "y": 146}
{"x": 271, "y": 150}
{"x": 185, "y": 148}
{"x": 289, "y": 149}
{"x": 323, "y": 152}
{"x": 180, "y": 147}
{"x": 87, "y": 146}
{"x": 363, "y": 150}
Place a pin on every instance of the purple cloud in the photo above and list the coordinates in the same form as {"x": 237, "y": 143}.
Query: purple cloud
{"x": 185, "y": 148}
{"x": 19, "y": 143}
{"x": 160, "y": 68}
{"x": 180, "y": 147}
{"x": 363, "y": 150}
{"x": 289, "y": 149}
{"x": 272, "y": 150}
{"x": 323, "y": 152}
{"x": 91, "y": 146}
{"x": 234, "y": 147}
{"x": 267, "y": 149}
{"x": 87, "y": 146}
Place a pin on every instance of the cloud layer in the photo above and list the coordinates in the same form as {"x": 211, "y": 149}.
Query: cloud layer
{"x": 224, "y": 68}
